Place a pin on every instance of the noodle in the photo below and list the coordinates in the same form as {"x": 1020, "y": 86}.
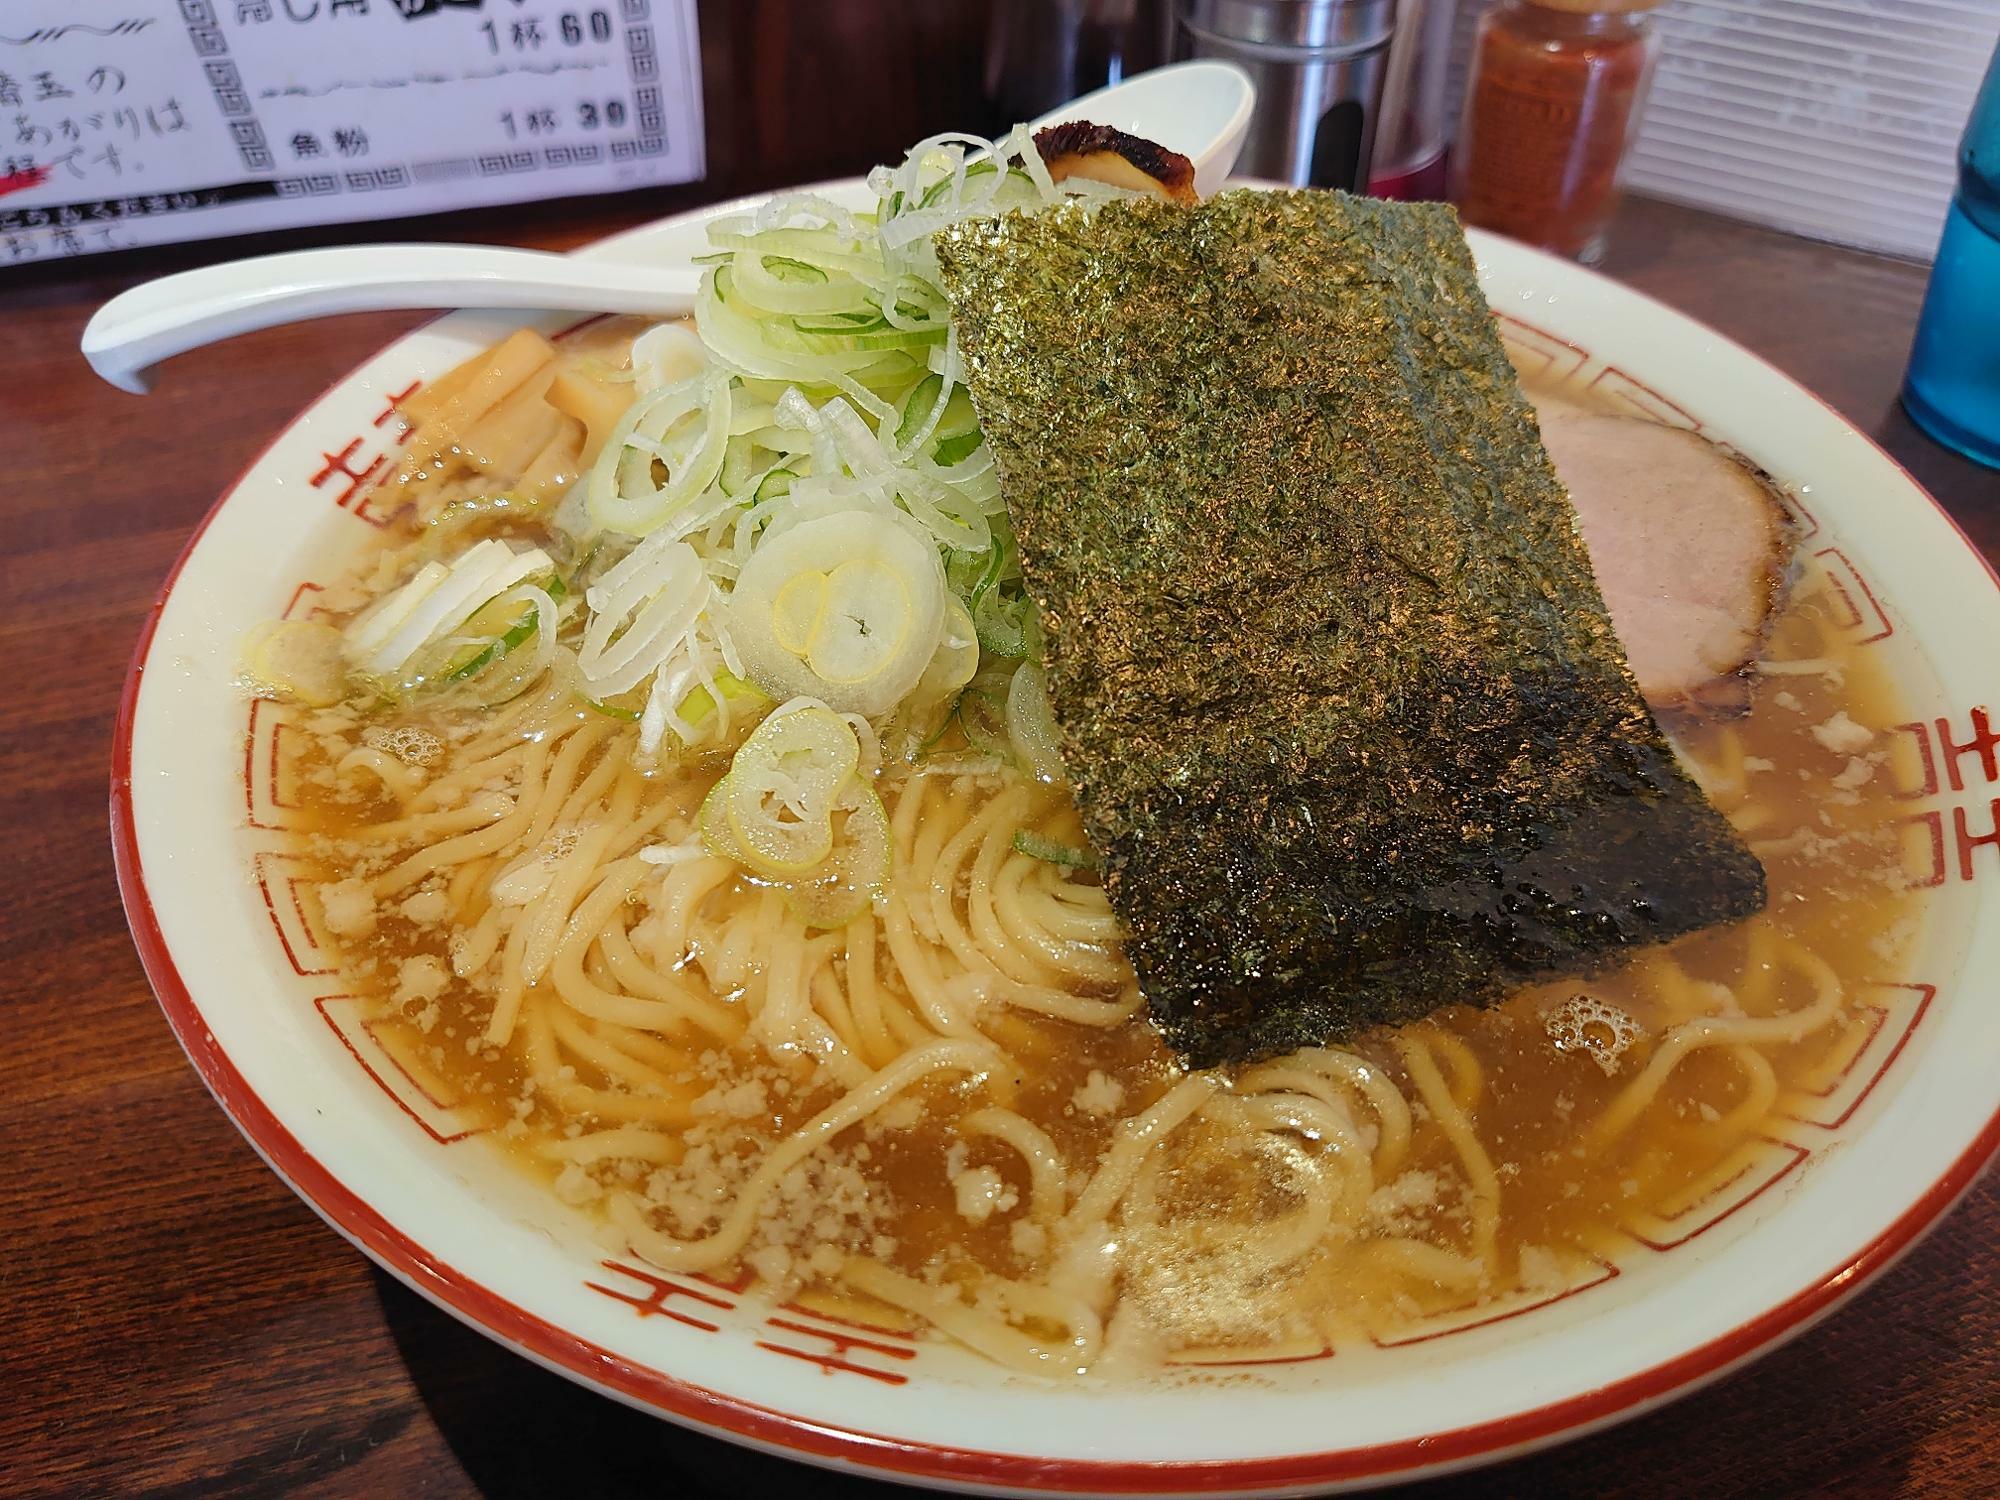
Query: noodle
{"x": 734, "y": 1231}
{"x": 1711, "y": 1031}
{"x": 613, "y": 973}
{"x": 946, "y": 1098}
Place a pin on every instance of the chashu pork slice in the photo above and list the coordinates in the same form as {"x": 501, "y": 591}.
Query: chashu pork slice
{"x": 1689, "y": 547}
{"x": 1099, "y": 153}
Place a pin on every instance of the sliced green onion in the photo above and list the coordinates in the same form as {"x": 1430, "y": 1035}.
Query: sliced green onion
{"x": 682, "y": 429}
{"x": 934, "y": 194}
{"x": 641, "y": 611}
{"x": 666, "y": 354}
{"x": 784, "y": 268}
{"x": 846, "y": 882}
{"x": 739, "y": 459}
{"x": 1006, "y": 623}
{"x": 1031, "y": 725}
{"x": 717, "y": 837}
{"x": 840, "y": 324}
{"x": 869, "y": 338}
{"x": 972, "y": 573}
{"x": 845, "y": 608}
{"x": 302, "y": 660}
{"x": 982, "y": 718}
{"x": 436, "y": 603}
{"x": 694, "y": 710}
{"x": 612, "y": 710}
{"x": 772, "y": 485}
{"x": 778, "y": 797}
{"x": 469, "y": 659}
{"x": 1053, "y": 851}
{"x": 956, "y": 449}
{"x": 506, "y": 641}
{"x": 917, "y": 408}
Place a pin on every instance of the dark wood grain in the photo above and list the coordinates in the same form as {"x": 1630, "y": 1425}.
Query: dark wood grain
{"x": 180, "y": 1323}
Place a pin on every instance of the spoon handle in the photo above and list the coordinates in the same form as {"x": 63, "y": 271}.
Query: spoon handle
{"x": 1200, "y": 107}
{"x": 139, "y": 328}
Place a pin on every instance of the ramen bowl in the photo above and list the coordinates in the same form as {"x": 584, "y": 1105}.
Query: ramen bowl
{"x": 1828, "y": 1195}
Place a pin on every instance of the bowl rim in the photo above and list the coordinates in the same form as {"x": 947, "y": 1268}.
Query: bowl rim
{"x": 774, "y": 1430}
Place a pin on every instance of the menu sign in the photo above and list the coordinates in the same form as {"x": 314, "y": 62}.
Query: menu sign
{"x": 133, "y": 122}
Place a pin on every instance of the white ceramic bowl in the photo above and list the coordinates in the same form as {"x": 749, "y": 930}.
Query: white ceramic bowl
{"x": 1829, "y": 1201}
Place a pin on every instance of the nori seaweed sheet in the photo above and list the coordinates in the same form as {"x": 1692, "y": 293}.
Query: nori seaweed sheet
{"x": 1342, "y": 706}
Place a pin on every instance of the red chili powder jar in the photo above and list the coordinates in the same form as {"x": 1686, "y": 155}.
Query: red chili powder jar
{"x": 1553, "y": 101}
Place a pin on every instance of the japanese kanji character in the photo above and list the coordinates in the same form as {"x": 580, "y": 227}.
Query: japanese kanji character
{"x": 106, "y": 78}
{"x": 69, "y": 242}
{"x": 252, "y": 10}
{"x": 359, "y": 7}
{"x": 166, "y": 119}
{"x": 305, "y": 144}
{"x": 28, "y": 133}
{"x": 16, "y": 166}
{"x": 528, "y": 33}
{"x": 10, "y": 91}
{"x": 19, "y": 247}
{"x": 350, "y": 140}
{"x": 46, "y": 87}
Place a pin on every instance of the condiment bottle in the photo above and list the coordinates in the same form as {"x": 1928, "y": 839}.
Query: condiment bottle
{"x": 1318, "y": 67}
{"x": 1953, "y": 389}
{"x": 1552, "y": 104}
{"x": 1415, "y": 128}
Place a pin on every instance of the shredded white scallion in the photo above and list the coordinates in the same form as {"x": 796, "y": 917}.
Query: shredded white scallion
{"x": 810, "y": 430}
{"x": 437, "y": 601}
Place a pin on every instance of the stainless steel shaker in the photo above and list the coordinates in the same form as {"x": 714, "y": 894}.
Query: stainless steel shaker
{"x": 1042, "y": 53}
{"x": 1318, "y": 66}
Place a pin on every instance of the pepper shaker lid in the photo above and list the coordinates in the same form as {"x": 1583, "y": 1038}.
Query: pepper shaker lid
{"x": 1285, "y": 25}
{"x": 1599, "y": 7}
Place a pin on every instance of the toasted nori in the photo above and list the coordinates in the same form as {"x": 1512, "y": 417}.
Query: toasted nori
{"x": 1343, "y": 708}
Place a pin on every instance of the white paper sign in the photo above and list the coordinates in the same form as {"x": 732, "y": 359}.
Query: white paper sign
{"x": 133, "y": 122}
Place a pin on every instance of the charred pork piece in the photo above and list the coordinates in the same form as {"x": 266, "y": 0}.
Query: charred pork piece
{"x": 1097, "y": 153}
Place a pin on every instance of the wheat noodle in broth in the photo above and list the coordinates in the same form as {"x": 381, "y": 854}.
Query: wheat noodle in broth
{"x": 953, "y": 1110}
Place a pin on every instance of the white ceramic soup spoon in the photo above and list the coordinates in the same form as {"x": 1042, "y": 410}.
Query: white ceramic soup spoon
{"x": 1200, "y": 109}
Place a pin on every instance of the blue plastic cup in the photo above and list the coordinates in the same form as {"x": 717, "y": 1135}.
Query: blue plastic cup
{"x": 1953, "y": 387}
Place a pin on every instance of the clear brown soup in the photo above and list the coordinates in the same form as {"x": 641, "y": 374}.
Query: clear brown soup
{"x": 1543, "y": 1083}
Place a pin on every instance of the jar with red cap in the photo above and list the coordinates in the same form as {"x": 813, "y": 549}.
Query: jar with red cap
{"x": 1552, "y": 104}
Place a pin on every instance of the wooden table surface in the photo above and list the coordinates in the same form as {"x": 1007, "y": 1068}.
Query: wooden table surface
{"x": 179, "y": 1322}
